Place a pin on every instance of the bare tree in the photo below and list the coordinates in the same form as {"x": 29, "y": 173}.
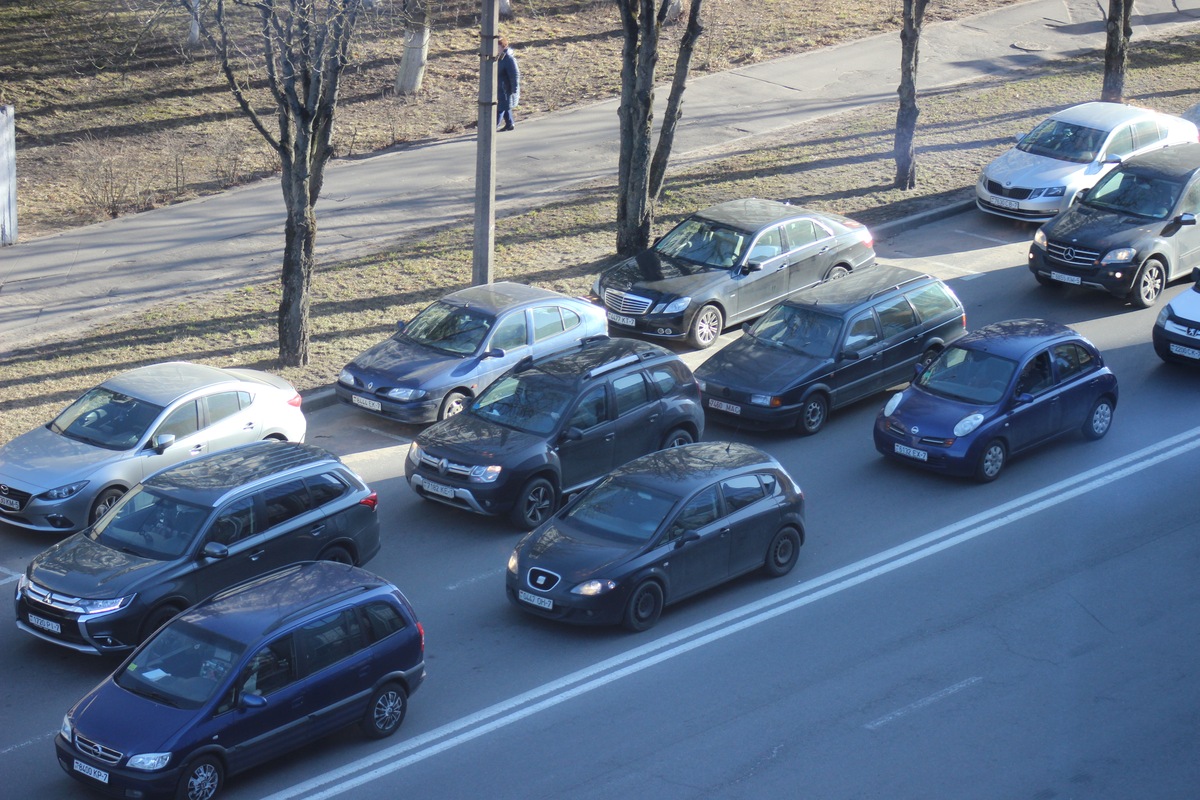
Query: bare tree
{"x": 1118, "y": 29}
{"x": 906, "y": 115}
{"x": 416, "y": 48}
{"x": 303, "y": 49}
{"x": 641, "y": 171}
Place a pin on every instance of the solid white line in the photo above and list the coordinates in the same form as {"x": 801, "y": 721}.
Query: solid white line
{"x": 640, "y": 658}
{"x": 925, "y": 701}
{"x": 992, "y": 239}
{"x": 487, "y": 576}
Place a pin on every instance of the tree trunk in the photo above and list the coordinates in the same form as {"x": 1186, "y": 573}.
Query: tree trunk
{"x": 1118, "y": 29}
{"x": 674, "y": 110}
{"x": 906, "y": 115}
{"x": 639, "y": 59}
{"x": 411, "y": 73}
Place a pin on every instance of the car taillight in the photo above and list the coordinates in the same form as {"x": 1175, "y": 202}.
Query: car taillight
{"x": 371, "y": 501}
{"x": 421, "y": 630}
{"x": 296, "y": 400}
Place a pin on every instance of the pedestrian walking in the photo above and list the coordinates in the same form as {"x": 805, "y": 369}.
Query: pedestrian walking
{"x": 508, "y": 86}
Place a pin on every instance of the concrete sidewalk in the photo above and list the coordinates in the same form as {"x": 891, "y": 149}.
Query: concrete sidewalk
{"x": 61, "y": 284}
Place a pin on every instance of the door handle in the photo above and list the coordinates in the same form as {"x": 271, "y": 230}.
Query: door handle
{"x": 317, "y": 530}
{"x": 197, "y": 450}
{"x": 255, "y": 556}
{"x": 249, "y": 426}
{"x": 609, "y": 437}
{"x": 653, "y": 418}
{"x": 725, "y": 531}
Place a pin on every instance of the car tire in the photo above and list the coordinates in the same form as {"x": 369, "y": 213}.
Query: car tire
{"x": 338, "y": 555}
{"x": 706, "y": 327}
{"x": 1149, "y": 284}
{"x": 991, "y": 461}
{"x": 929, "y": 356}
{"x": 534, "y": 505}
{"x": 837, "y": 273}
{"x": 782, "y": 553}
{"x": 814, "y": 411}
{"x": 156, "y": 619}
{"x": 454, "y": 403}
{"x": 385, "y": 712}
{"x": 644, "y": 607}
{"x": 677, "y": 438}
{"x": 1099, "y": 419}
{"x": 202, "y": 779}
{"x": 104, "y": 501}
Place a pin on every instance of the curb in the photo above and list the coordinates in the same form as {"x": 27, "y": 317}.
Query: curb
{"x": 895, "y": 226}
{"x": 318, "y": 398}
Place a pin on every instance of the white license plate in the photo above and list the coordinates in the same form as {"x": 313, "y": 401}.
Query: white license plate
{"x": 370, "y": 405}
{"x": 1074, "y": 280}
{"x": 912, "y": 452}
{"x": 628, "y": 322}
{"x": 90, "y": 771}
{"x": 728, "y": 408}
{"x": 1187, "y": 352}
{"x": 437, "y": 488}
{"x": 9, "y": 502}
{"x": 1005, "y": 202}
{"x": 45, "y": 624}
{"x": 535, "y": 600}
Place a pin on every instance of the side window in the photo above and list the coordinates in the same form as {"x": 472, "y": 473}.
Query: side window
{"x": 1147, "y": 134}
{"x": 699, "y": 511}
{"x": 183, "y": 421}
{"x": 770, "y": 483}
{"x": 1121, "y": 143}
{"x": 270, "y": 669}
{"x": 800, "y": 232}
{"x": 932, "y": 301}
{"x": 235, "y": 522}
{"x": 222, "y": 405}
{"x": 769, "y": 245}
{"x": 383, "y": 619}
{"x": 285, "y": 501}
{"x": 741, "y": 491}
{"x": 1191, "y": 200}
{"x": 667, "y": 377}
{"x": 896, "y": 317}
{"x": 324, "y": 488}
{"x": 1070, "y": 359}
{"x": 330, "y": 639}
{"x": 547, "y": 322}
{"x": 862, "y": 333}
{"x": 570, "y": 319}
{"x": 591, "y": 411}
{"x": 511, "y": 332}
{"x": 1036, "y": 376}
{"x": 630, "y": 391}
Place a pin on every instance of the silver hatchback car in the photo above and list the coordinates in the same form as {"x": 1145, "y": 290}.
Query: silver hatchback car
{"x": 63, "y": 476}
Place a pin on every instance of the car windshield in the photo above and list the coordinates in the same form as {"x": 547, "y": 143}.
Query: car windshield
{"x": 1065, "y": 141}
{"x": 151, "y": 525}
{"x": 802, "y": 330}
{"x": 449, "y": 327}
{"x": 107, "y": 419}
{"x": 183, "y": 666}
{"x": 704, "y": 242}
{"x": 1127, "y": 192}
{"x": 621, "y": 511}
{"x": 531, "y": 401}
{"x": 974, "y": 376}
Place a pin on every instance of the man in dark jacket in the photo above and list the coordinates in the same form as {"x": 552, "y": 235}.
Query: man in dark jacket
{"x": 508, "y": 86}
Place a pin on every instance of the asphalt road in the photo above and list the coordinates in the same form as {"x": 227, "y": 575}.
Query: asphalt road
{"x": 1033, "y": 637}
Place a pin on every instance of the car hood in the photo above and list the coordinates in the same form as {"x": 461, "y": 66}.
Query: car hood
{"x": 1100, "y": 229}
{"x": 574, "y": 555}
{"x": 128, "y": 722}
{"x": 1186, "y": 305}
{"x": 79, "y": 567}
{"x": 402, "y": 360}
{"x": 1018, "y": 168}
{"x": 935, "y": 415}
{"x": 752, "y": 365}
{"x": 45, "y": 460}
{"x": 653, "y": 272}
{"x": 467, "y": 438}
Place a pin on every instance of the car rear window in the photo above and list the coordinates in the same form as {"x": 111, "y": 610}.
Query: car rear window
{"x": 932, "y": 301}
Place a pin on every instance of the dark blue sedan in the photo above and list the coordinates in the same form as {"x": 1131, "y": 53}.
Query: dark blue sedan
{"x": 995, "y": 392}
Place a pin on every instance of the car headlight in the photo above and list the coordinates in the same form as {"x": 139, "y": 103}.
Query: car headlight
{"x": 1039, "y": 238}
{"x": 1049, "y": 191}
{"x": 103, "y": 606}
{"x": 346, "y": 377}
{"x": 594, "y": 587}
{"x": 968, "y": 424}
{"x": 702, "y": 384}
{"x": 414, "y": 453}
{"x": 22, "y": 584}
{"x": 485, "y": 473}
{"x": 148, "y": 762}
{"x": 513, "y": 561}
{"x": 404, "y": 394}
{"x": 66, "y": 730}
{"x": 676, "y": 306}
{"x": 892, "y": 404}
{"x": 63, "y": 492}
{"x": 764, "y": 400}
{"x": 1160, "y": 322}
{"x": 1122, "y": 255}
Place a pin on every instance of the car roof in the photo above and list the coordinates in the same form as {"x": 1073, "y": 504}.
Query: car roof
{"x": 845, "y": 294}
{"x": 1107, "y": 116}
{"x": 250, "y": 611}
{"x": 1015, "y": 338}
{"x": 1176, "y": 162}
{"x": 204, "y": 480}
{"x": 161, "y": 384}
{"x": 682, "y": 470}
{"x": 496, "y": 297}
{"x": 752, "y": 214}
{"x": 582, "y": 361}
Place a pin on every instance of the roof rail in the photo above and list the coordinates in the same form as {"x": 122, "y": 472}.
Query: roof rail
{"x": 625, "y": 360}
{"x": 893, "y": 288}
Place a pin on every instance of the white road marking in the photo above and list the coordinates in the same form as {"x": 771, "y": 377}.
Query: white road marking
{"x": 487, "y": 576}
{"x": 992, "y": 239}
{"x": 924, "y": 701}
{"x": 11, "y": 576}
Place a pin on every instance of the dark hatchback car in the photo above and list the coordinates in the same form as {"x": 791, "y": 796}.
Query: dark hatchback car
{"x": 727, "y": 264}
{"x": 828, "y": 346}
{"x": 1176, "y": 332}
{"x": 551, "y": 426}
{"x": 997, "y": 391}
{"x": 1131, "y": 234}
{"x": 657, "y": 530}
{"x": 247, "y": 675}
{"x": 433, "y": 365}
{"x": 191, "y": 530}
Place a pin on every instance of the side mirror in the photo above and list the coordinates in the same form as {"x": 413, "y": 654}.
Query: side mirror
{"x": 215, "y": 550}
{"x": 919, "y": 367}
{"x": 753, "y": 266}
{"x": 163, "y": 441}
{"x": 400, "y": 326}
{"x": 572, "y": 434}
{"x": 1022, "y": 398}
{"x": 851, "y": 355}
{"x": 1196, "y": 276}
{"x": 746, "y": 326}
{"x": 495, "y": 352}
{"x": 688, "y": 536}
{"x": 253, "y": 700}
{"x": 1081, "y": 194}
{"x": 1112, "y": 158}
{"x": 1186, "y": 218}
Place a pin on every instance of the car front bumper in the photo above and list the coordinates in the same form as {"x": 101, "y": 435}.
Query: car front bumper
{"x": 115, "y": 781}
{"x": 1172, "y": 343}
{"x": 1116, "y": 279}
{"x": 893, "y": 441}
{"x": 605, "y": 609}
{"x": 419, "y": 412}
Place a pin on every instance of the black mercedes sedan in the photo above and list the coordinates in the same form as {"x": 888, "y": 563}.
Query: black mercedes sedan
{"x": 659, "y": 529}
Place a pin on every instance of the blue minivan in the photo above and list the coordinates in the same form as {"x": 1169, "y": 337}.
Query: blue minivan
{"x": 249, "y": 674}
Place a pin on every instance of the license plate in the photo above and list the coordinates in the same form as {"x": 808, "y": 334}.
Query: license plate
{"x": 45, "y": 624}
{"x": 628, "y": 322}
{"x": 437, "y": 488}
{"x": 1075, "y": 280}
{"x": 90, "y": 771}
{"x": 535, "y": 600}
{"x": 369, "y": 405}
{"x": 912, "y": 452}
{"x": 9, "y": 502}
{"x": 1187, "y": 352}
{"x": 728, "y": 408}
{"x": 1004, "y": 202}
